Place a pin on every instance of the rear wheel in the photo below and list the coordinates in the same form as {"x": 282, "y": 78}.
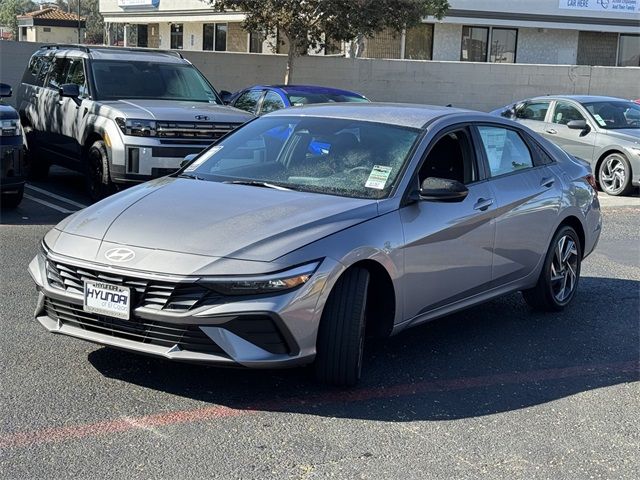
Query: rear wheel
{"x": 560, "y": 274}
{"x": 615, "y": 175}
{"x": 341, "y": 336}
{"x": 13, "y": 199}
{"x": 98, "y": 180}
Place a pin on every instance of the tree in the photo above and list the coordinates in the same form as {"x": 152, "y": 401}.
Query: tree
{"x": 90, "y": 10}
{"x": 9, "y": 11}
{"x": 309, "y": 24}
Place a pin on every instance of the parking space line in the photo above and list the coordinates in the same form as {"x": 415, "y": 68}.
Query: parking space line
{"x": 57, "y": 197}
{"x": 127, "y": 424}
{"x": 48, "y": 204}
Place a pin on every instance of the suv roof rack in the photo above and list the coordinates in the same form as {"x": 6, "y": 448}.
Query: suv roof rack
{"x": 88, "y": 49}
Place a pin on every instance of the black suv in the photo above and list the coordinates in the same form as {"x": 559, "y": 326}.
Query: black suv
{"x": 12, "y": 168}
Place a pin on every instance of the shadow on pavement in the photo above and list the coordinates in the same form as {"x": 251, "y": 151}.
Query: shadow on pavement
{"x": 492, "y": 358}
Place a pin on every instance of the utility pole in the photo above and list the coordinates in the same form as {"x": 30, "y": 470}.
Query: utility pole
{"x": 79, "y": 25}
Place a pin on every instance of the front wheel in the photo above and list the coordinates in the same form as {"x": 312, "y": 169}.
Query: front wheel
{"x": 340, "y": 343}
{"x": 615, "y": 175}
{"x": 560, "y": 274}
{"x": 98, "y": 180}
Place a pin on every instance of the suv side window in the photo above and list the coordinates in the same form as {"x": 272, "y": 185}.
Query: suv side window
{"x": 533, "y": 111}
{"x": 44, "y": 70}
{"x": 33, "y": 69}
{"x": 248, "y": 101}
{"x": 505, "y": 149}
{"x": 58, "y": 72}
{"x": 271, "y": 102}
{"x": 566, "y": 112}
{"x": 75, "y": 75}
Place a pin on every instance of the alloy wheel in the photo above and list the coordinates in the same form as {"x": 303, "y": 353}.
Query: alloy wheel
{"x": 613, "y": 176}
{"x": 564, "y": 268}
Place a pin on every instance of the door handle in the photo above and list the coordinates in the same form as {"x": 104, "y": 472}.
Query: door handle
{"x": 547, "y": 182}
{"x": 483, "y": 204}
{"x": 551, "y": 131}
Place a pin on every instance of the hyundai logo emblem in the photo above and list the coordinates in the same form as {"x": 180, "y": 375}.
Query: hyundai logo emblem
{"x": 120, "y": 255}
{"x": 202, "y": 117}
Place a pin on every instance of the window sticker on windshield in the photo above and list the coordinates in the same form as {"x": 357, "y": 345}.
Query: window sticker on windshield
{"x": 600, "y": 120}
{"x": 210, "y": 153}
{"x": 378, "y": 177}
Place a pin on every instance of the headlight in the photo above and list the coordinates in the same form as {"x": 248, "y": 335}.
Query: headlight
{"x": 274, "y": 283}
{"x": 137, "y": 128}
{"x": 10, "y": 128}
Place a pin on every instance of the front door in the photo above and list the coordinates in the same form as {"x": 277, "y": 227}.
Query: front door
{"x": 576, "y": 142}
{"x": 448, "y": 245}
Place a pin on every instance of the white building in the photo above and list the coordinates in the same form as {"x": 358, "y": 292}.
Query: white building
{"x": 589, "y": 32}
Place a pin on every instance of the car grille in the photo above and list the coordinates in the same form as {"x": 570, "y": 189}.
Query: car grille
{"x": 186, "y": 337}
{"x": 152, "y": 294}
{"x": 186, "y": 130}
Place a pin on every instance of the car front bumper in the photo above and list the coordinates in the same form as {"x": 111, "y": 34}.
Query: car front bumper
{"x": 268, "y": 332}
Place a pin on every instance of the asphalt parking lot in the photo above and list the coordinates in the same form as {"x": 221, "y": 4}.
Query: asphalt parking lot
{"x": 493, "y": 392}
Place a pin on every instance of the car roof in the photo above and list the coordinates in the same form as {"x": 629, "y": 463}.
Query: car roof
{"x": 116, "y": 53}
{"x": 400, "y": 114}
{"x": 580, "y": 98}
{"x": 292, "y": 89}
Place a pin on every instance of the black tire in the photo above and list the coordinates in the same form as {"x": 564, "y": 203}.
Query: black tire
{"x": 615, "y": 175}
{"x": 341, "y": 335}
{"x": 547, "y": 295}
{"x": 97, "y": 176}
{"x": 12, "y": 200}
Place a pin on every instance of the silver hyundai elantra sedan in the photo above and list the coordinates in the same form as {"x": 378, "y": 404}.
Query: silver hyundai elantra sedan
{"x": 306, "y": 230}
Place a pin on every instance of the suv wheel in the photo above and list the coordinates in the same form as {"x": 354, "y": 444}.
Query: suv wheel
{"x": 99, "y": 183}
{"x": 340, "y": 341}
{"x": 615, "y": 175}
{"x": 12, "y": 200}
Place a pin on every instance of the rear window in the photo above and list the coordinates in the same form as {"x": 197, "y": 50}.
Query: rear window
{"x": 303, "y": 98}
{"x": 33, "y": 69}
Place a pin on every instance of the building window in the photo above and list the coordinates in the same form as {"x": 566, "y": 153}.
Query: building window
{"x": 597, "y": 48}
{"x": 256, "y": 39}
{"x": 177, "y": 34}
{"x": 385, "y": 44}
{"x": 46, "y": 29}
{"x": 474, "y": 44}
{"x": 419, "y": 42}
{"x": 143, "y": 35}
{"x": 503, "y": 45}
{"x": 214, "y": 37}
{"x": 629, "y": 51}
{"x": 24, "y": 33}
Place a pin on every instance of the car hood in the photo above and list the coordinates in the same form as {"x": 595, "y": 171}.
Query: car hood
{"x": 627, "y": 134}
{"x": 7, "y": 112}
{"x": 217, "y": 220}
{"x": 178, "y": 111}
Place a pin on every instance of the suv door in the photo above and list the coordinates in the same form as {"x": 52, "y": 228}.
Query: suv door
{"x": 527, "y": 193}
{"x": 576, "y": 142}
{"x": 50, "y": 104}
{"x": 533, "y": 114}
{"x": 448, "y": 248}
{"x": 71, "y": 117}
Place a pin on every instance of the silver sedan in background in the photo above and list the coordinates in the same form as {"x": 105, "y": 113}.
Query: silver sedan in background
{"x": 306, "y": 230}
{"x": 604, "y": 131}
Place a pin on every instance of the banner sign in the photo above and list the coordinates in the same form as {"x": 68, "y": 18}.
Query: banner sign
{"x": 613, "y": 6}
{"x": 138, "y": 3}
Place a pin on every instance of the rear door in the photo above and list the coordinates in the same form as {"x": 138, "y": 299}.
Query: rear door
{"x": 576, "y": 142}
{"x": 534, "y": 114}
{"x": 528, "y": 197}
{"x": 50, "y": 104}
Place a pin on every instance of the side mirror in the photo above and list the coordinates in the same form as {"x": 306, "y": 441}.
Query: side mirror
{"x": 188, "y": 159}
{"x": 5, "y": 90}
{"x": 579, "y": 125}
{"x": 508, "y": 113}
{"x": 442, "y": 190}
{"x": 69, "y": 90}
{"x": 225, "y": 95}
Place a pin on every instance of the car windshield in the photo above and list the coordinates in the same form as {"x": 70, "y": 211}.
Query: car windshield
{"x": 303, "y": 98}
{"x": 117, "y": 80}
{"x": 615, "y": 115}
{"x": 324, "y": 155}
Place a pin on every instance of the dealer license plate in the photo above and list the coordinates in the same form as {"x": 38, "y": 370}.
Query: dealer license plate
{"x": 107, "y": 299}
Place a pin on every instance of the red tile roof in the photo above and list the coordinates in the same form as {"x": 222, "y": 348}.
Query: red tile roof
{"x": 50, "y": 13}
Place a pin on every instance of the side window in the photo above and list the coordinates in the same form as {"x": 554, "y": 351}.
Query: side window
{"x": 33, "y": 69}
{"x": 75, "y": 74}
{"x": 540, "y": 156}
{"x": 533, "y": 111}
{"x": 249, "y": 101}
{"x": 272, "y": 102}
{"x": 565, "y": 112}
{"x": 451, "y": 157}
{"x": 58, "y": 73}
{"x": 44, "y": 70}
{"x": 506, "y": 151}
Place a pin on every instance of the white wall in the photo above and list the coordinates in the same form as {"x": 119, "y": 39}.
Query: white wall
{"x": 535, "y": 45}
{"x": 447, "y": 39}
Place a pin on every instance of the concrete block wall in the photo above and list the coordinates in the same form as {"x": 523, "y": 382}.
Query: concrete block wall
{"x": 480, "y": 86}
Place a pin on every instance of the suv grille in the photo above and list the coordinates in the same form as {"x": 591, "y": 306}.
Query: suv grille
{"x": 186, "y": 337}
{"x": 186, "y": 130}
{"x": 156, "y": 295}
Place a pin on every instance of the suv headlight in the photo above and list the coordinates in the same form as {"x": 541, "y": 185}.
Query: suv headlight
{"x": 274, "y": 283}
{"x": 137, "y": 128}
{"x": 10, "y": 128}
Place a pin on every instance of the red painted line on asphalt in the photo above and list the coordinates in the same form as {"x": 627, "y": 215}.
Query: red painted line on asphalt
{"x": 60, "y": 434}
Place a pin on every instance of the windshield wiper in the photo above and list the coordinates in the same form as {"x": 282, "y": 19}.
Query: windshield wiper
{"x": 190, "y": 175}
{"x": 256, "y": 183}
